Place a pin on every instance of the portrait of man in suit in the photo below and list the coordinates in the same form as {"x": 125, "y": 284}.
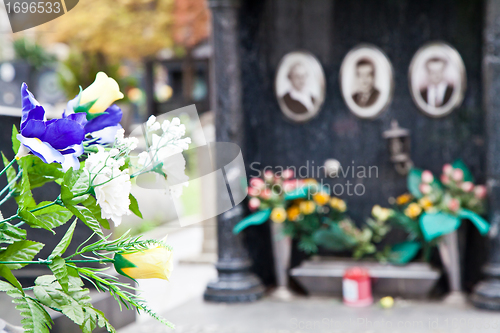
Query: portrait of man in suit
{"x": 366, "y": 93}
{"x": 298, "y": 99}
{"x": 438, "y": 91}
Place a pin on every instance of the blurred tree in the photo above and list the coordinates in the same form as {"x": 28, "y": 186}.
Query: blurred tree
{"x": 33, "y": 53}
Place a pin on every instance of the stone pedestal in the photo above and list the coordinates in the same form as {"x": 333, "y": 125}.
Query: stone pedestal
{"x": 235, "y": 281}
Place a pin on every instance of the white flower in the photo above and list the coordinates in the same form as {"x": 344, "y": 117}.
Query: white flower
{"x": 125, "y": 144}
{"x": 152, "y": 124}
{"x": 113, "y": 196}
{"x": 111, "y": 185}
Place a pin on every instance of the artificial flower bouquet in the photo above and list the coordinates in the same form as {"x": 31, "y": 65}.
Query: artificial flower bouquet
{"x": 86, "y": 153}
{"x": 308, "y": 212}
{"x": 435, "y": 207}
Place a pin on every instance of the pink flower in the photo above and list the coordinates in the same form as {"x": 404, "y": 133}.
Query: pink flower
{"x": 266, "y": 194}
{"x": 253, "y": 192}
{"x": 427, "y": 177}
{"x": 445, "y": 179}
{"x": 458, "y": 175}
{"x": 257, "y": 183}
{"x": 269, "y": 175}
{"x": 467, "y": 186}
{"x": 289, "y": 185}
{"x": 447, "y": 169}
{"x": 253, "y": 204}
{"x": 425, "y": 188}
{"x": 480, "y": 191}
{"x": 287, "y": 174}
{"x": 453, "y": 205}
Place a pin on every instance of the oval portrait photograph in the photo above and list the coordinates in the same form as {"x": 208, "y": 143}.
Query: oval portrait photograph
{"x": 437, "y": 79}
{"x": 366, "y": 81}
{"x": 300, "y": 86}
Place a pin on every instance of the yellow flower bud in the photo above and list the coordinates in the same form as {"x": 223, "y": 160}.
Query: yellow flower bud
{"x": 426, "y": 203}
{"x": 307, "y": 207}
{"x": 278, "y": 215}
{"x": 387, "y": 302}
{"x": 321, "y": 198}
{"x": 381, "y": 214}
{"x": 293, "y": 213}
{"x": 338, "y": 204}
{"x": 104, "y": 91}
{"x": 156, "y": 262}
{"x": 413, "y": 210}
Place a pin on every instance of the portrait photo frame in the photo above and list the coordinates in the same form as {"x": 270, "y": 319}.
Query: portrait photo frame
{"x": 437, "y": 79}
{"x": 300, "y": 86}
{"x": 366, "y": 81}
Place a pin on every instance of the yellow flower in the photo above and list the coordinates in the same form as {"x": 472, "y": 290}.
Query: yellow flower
{"x": 310, "y": 181}
{"x": 293, "y": 213}
{"x": 155, "y": 262}
{"x": 307, "y": 207}
{"x": 321, "y": 198}
{"x": 278, "y": 215}
{"x": 413, "y": 210}
{"x": 381, "y": 214}
{"x": 104, "y": 91}
{"x": 387, "y": 302}
{"x": 403, "y": 199}
{"x": 338, "y": 204}
{"x": 425, "y": 203}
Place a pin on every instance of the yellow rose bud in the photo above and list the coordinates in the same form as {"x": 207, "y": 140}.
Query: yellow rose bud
{"x": 321, "y": 198}
{"x": 338, "y": 204}
{"x": 104, "y": 91}
{"x": 387, "y": 302}
{"x": 403, "y": 199}
{"x": 278, "y": 215}
{"x": 293, "y": 213}
{"x": 307, "y": 207}
{"x": 151, "y": 263}
{"x": 413, "y": 210}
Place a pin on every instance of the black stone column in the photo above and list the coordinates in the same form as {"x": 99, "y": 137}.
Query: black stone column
{"x": 235, "y": 281}
{"x": 487, "y": 293}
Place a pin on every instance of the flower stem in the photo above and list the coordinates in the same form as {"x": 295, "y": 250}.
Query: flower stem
{"x": 7, "y": 166}
{"x": 48, "y": 262}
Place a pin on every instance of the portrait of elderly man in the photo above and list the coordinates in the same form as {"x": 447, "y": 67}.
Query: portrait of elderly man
{"x": 298, "y": 99}
{"x": 438, "y": 91}
{"x": 366, "y": 94}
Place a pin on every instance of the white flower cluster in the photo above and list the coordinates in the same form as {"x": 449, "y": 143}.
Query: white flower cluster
{"x": 167, "y": 148}
{"x": 125, "y": 144}
{"x": 111, "y": 185}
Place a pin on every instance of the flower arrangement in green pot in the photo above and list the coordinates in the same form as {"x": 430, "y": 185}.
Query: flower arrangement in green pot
{"x": 309, "y": 214}
{"x": 86, "y": 154}
{"x": 436, "y": 207}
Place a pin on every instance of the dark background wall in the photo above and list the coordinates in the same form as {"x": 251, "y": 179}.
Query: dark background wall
{"x": 329, "y": 29}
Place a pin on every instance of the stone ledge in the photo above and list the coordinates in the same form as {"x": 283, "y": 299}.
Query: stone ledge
{"x": 323, "y": 277}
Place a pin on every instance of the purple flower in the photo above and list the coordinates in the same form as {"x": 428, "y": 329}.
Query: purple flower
{"x": 55, "y": 140}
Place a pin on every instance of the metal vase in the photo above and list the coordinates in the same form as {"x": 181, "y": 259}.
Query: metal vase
{"x": 282, "y": 249}
{"x": 450, "y": 256}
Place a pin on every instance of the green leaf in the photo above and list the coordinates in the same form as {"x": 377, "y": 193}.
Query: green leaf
{"x": 65, "y": 241}
{"x": 94, "y": 317}
{"x": 11, "y": 172}
{"x": 41, "y": 173}
{"x": 437, "y": 224}
{"x": 252, "y": 219}
{"x": 86, "y": 216}
{"x": 15, "y": 142}
{"x": 52, "y": 216}
{"x": 55, "y": 298}
{"x": 413, "y": 182}
{"x": 134, "y": 206}
{"x": 298, "y": 193}
{"x": 481, "y": 224}
{"x": 33, "y": 221}
{"x": 334, "y": 238}
{"x": 403, "y": 253}
{"x": 25, "y": 199}
{"x": 36, "y": 319}
{"x": 459, "y": 164}
{"x": 92, "y": 205}
{"x": 307, "y": 245}
{"x": 58, "y": 267}
{"x": 10, "y": 234}
{"x": 7, "y": 274}
{"x": 20, "y": 251}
